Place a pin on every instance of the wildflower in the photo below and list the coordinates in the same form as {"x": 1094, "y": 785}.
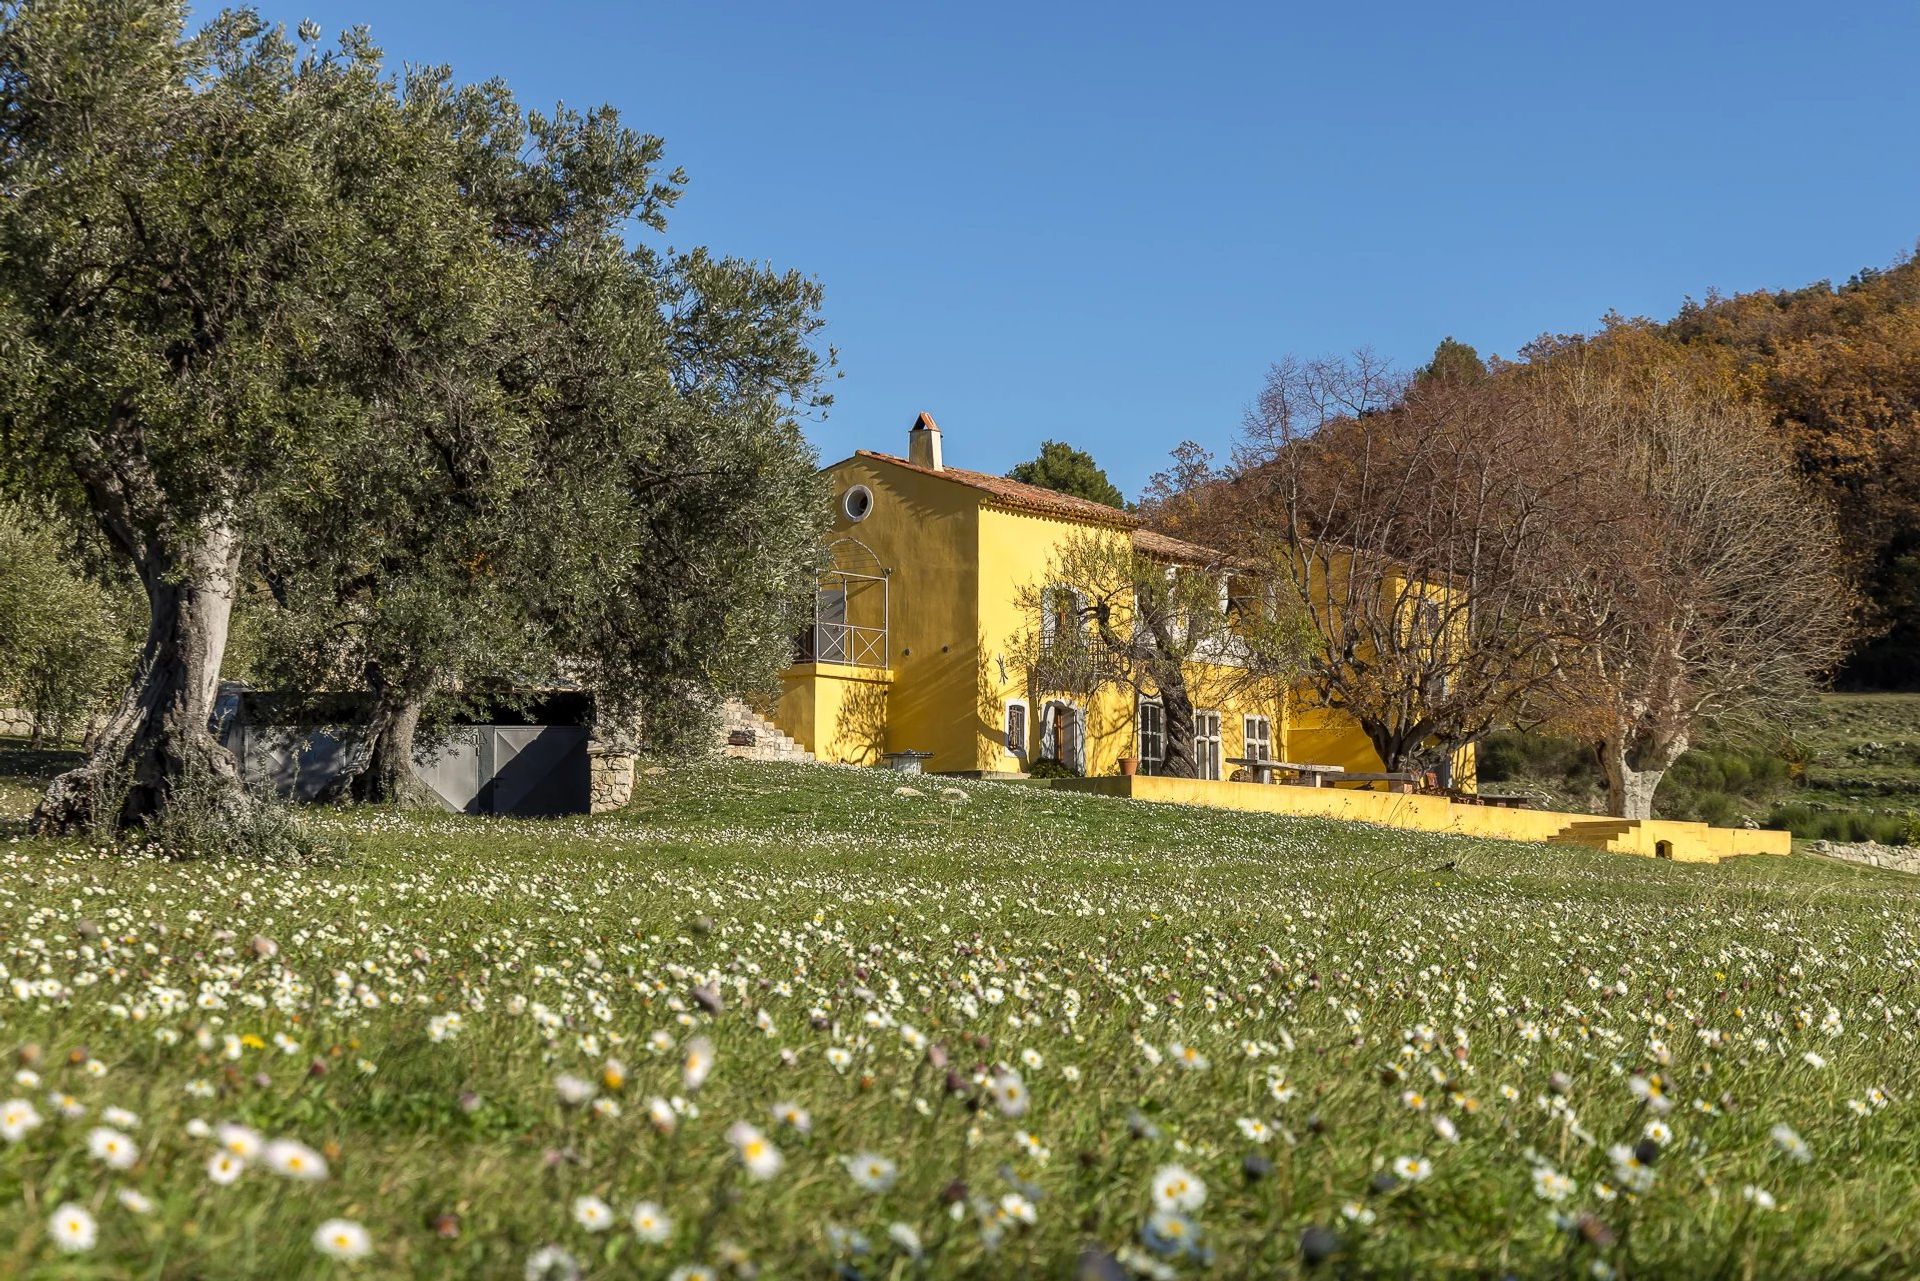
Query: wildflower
{"x": 761, "y": 1158}
{"x": 119, "y": 1118}
{"x": 839, "y": 1056}
{"x": 1018, "y": 1208}
{"x": 17, "y": 1117}
{"x": 1814, "y": 1059}
{"x": 238, "y": 1140}
{"x": 1256, "y": 1130}
{"x": 1789, "y": 1142}
{"x": 134, "y": 1201}
{"x": 650, "y": 1223}
{"x": 1445, "y": 1128}
{"x": 793, "y": 1116}
{"x": 692, "y": 1272}
{"x": 1177, "y": 1190}
{"x": 872, "y": 1173}
{"x": 1188, "y": 1057}
{"x": 294, "y": 1160}
{"x": 224, "y": 1167}
{"x": 1010, "y": 1094}
{"x": 1630, "y": 1168}
{"x": 1412, "y": 1168}
{"x": 905, "y": 1239}
{"x": 1358, "y": 1212}
{"x": 1652, "y": 1091}
{"x": 111, "y": 1148}
{"x": 1659, "y": 1132}
{"x": 697, "y": 1063}
{"x": 73, "y": 1229}
{"x": 551, "y": 1263}
{"x": 342, "y": 1239}
{"x": 1167, "y": 1233}
{"x": 613, "y": 1075}
{"x": 591, "y": 1213}
{"x": 1551, "y": 1185}
{"x": 574, "y": 1090}
{"x": 1760, "y": 1197}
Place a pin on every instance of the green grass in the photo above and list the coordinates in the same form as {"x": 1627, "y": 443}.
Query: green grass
{"x": 1324, "y": 972}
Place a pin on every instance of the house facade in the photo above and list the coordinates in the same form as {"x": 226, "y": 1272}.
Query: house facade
{"x": 925, "y": 618}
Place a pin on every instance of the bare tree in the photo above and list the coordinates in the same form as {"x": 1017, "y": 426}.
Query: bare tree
{"x": 1412, "y": 523}
{"x": 1164, "y": 618}
{"x": 1699, "y": 570}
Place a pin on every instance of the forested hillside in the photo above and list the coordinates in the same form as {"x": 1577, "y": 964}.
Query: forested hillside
{"x": 1839, "y": 369}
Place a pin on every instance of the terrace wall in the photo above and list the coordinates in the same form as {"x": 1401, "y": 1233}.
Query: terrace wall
{"x": 1688, "y": 842}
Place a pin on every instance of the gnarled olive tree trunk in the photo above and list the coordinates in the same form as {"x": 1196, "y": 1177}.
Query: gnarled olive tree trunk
{"x": 158, "y": 739}
{"x": 379, "y": 769}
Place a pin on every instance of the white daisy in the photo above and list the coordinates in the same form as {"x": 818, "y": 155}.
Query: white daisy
{"x": 650, "y": 1223}
{"x": 591, "y": 1213}
{"x": 73, "y": 1229}
{"x": 342, "y": 1239}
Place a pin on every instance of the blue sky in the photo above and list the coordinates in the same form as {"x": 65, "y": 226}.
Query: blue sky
{"x": 1100, "y": 223}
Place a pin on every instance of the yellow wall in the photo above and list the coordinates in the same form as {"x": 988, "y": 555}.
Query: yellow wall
{"x": 1016, "y": 549}
{"x": 838, "y": 713}
{"x": 923, "y": 531}
{"x": 1690, "y": 842}
{"x": 957, "y": 566}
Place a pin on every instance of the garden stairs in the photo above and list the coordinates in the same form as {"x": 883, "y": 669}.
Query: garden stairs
{"x": 769, "y": 741}
{"x": 1596, "y": 834}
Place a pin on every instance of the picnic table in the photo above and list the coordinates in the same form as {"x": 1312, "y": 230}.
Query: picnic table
{"x": 1263, "y": 769}
{"x": 1501, "y": 800}
{"x": 1396, "y": 781}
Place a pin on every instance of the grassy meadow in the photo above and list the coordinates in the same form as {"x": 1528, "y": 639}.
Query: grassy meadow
{"x": 780, "y": 1021}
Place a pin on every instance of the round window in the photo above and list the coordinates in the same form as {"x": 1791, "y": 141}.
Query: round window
{"x": 858, "y": 502}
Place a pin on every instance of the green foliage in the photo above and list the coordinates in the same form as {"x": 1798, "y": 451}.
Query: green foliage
{"x": 66, "y": 643}
{"x": 1051, "y": 767}
{"x": 1847, "y": 825}
{"x": 1061, "y": 467}
{"x": 1710, "y": 784}
{"x": 208, "y": 820}
{"x": 1453, "y": 361}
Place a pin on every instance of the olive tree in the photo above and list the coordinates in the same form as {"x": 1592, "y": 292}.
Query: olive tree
{"x": 203, "y": 240}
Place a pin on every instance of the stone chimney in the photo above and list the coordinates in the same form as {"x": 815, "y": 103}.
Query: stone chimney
{"x": 923, "y": 443}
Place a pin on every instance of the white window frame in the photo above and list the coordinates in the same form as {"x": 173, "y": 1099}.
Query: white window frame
{"x": 1026, "y": 728}
{"x": 1264, "y": 739}
{"x": 1207, "y": 763}
{"x": 1155, "y": 763}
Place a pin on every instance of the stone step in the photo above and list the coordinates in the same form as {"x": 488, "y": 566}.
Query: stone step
{"x": 770, "y": 742}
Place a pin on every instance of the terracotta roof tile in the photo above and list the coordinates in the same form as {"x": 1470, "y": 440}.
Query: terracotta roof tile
{"x": 1166, "y": 547}
{"x": 1018, "y": 495}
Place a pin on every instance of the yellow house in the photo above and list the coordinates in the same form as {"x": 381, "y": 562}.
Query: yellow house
{"x": 916, "y": 641}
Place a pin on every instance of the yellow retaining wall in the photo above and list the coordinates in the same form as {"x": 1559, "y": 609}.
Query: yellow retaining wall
{"x": 1690, "y": 842}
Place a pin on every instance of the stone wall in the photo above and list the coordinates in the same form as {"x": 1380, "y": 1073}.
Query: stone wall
{"x": 1898, "y": 858}
{"x": 609, "y": 777}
